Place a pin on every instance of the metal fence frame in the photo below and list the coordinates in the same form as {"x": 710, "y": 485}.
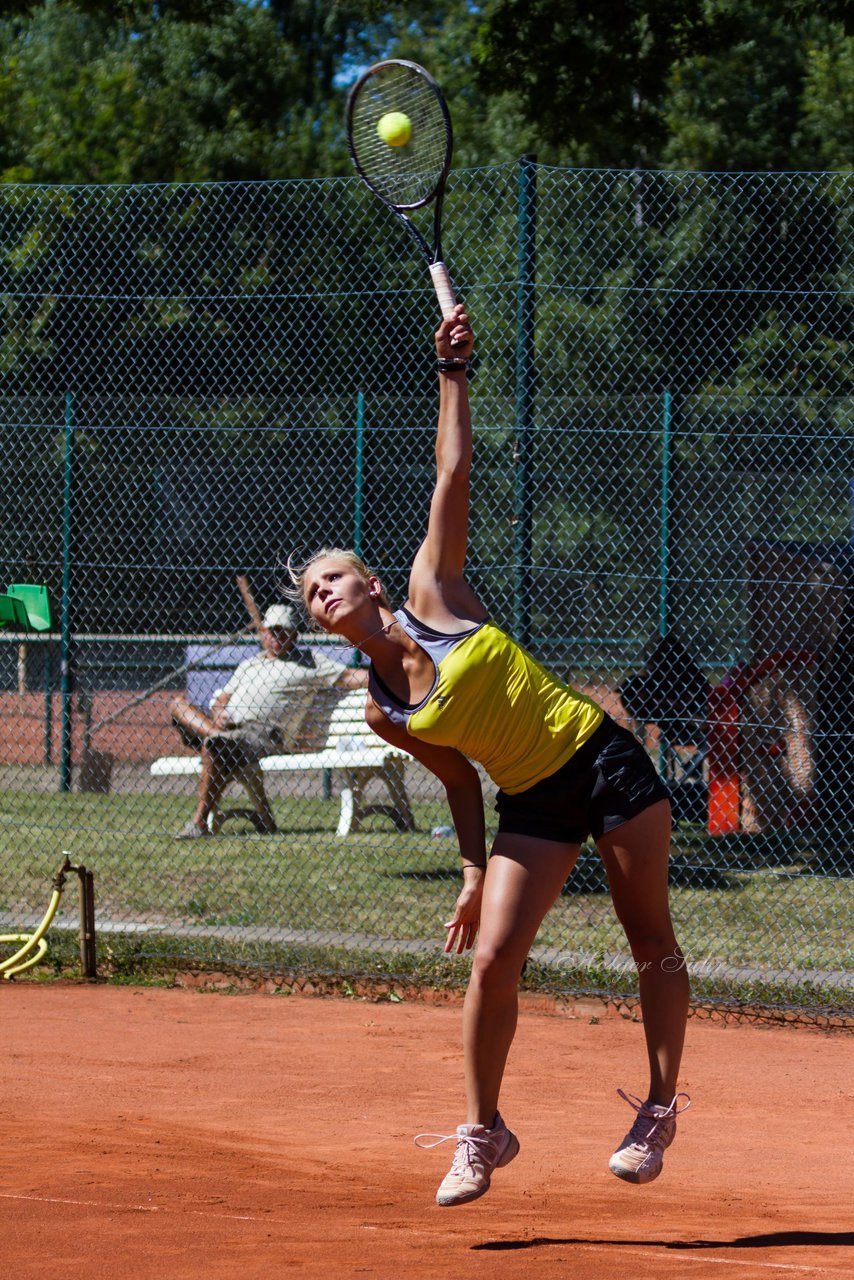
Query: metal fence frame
{"x": 663, "y": 418}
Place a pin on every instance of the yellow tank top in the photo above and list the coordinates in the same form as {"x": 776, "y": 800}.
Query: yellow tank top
{"x": 495, "y": 703}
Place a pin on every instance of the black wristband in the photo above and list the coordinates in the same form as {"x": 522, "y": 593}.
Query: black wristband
{"x": 453, "y": 365}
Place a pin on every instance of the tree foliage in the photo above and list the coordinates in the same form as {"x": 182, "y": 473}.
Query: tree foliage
{"x": 776, "y": 97}
{"x": 136, "y": 93}
{"x": 165, "y": 90}
{"x": 592, "y": 76}
{"x": 683, "y": 83}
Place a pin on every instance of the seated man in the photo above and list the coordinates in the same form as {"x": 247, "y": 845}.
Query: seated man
{"x": 259, "y": 712}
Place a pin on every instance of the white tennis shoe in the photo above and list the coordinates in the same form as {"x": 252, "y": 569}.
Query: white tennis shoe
{"x": 640, "y": 1155}
{"x": 479, "y": 1151}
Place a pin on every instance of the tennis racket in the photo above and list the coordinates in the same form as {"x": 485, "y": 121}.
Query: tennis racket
{"x": 409, "y": 172}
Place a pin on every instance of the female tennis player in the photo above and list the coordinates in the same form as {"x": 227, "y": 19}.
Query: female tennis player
{"x": 450, "y": 687}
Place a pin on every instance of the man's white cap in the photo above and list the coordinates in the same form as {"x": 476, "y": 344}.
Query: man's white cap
{"x": 281, "y": 615}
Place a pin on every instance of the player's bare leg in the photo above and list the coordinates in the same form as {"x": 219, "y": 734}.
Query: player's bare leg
{"x": 636, "y": 857}
{"x": 523, "y": 879}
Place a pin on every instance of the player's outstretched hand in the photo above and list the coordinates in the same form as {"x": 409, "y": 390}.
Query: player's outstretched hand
{"x": 454, "y": 337}
{"x": 462, "y": 928}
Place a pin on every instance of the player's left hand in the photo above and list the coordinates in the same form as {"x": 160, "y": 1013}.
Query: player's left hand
{"x": 454, "y": 337}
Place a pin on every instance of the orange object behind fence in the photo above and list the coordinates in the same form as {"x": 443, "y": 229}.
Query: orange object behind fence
{"x": 788, "y": 742}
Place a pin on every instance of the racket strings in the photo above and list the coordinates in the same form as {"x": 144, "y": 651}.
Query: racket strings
{"x": 407, "y": 175}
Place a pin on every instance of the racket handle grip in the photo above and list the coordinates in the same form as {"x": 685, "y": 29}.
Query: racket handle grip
{"x": 444, "y": 289}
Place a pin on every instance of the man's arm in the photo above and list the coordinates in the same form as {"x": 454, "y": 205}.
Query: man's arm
{"x": 255, "y": 614}
{"x": 352, "y": 678}
{"x": 222, "y": 697}
{"x": 338, "y": 676}
{"x": 219, "y": 709}
{"x": 234, "y": 685}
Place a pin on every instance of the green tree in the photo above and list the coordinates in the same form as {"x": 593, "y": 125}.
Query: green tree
{"x": 827, "y": 115}
{"x": 147, "y": 93}
{"x": 685, "y": 83}
{"x": 772, "y": 99}
{"x": 591, "y": 77}
{"x": 489, "y": 127}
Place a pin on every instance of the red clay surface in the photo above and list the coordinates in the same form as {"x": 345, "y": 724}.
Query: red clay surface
{"x": 176, "y": 1134}
{"x": 141, "y": 733}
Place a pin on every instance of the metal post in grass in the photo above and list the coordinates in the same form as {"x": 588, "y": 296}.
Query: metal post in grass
{"x": 525, "y": 319}
{"x": 65, "y": 682}
{"x": 88, "y": 941}
{"x": 47, "y": 677}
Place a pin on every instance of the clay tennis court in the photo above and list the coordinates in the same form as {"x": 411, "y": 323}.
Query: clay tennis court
{"x": 173, "y": 1133}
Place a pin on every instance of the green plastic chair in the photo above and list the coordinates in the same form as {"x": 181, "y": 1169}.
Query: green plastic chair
{"x": 14, "y": 614}
{"x": 32, "y": 601}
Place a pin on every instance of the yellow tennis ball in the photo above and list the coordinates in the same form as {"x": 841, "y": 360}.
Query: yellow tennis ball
{"x": 395, "y": 128}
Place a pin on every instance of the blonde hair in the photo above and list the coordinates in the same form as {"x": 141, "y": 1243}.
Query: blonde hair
{"x": 297, "y": 571}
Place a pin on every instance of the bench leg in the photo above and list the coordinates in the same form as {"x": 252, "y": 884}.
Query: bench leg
{"x": 354, "y": 807}
{"x": 250, "y": 777}
{"x": 394, "y": 776}
{"x": 345, "y": 817}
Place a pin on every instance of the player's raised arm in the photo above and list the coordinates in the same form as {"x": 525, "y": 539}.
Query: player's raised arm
{"x": 439, "y": 565}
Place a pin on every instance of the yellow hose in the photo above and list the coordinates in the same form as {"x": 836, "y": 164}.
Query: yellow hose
{"x": 41, "y": 949}
{"x": 11, "y": 966}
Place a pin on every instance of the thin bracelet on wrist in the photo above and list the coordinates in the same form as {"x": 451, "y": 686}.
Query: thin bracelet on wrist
{"x": 478, "y": 866}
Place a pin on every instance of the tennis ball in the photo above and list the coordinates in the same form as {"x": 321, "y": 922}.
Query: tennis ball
{"x": 395, "y": 128}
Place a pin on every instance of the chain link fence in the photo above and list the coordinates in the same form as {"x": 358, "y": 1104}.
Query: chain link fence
{"x": 199, "y": 380}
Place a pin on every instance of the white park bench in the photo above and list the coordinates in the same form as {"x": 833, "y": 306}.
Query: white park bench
{"x": 350, "y": 746}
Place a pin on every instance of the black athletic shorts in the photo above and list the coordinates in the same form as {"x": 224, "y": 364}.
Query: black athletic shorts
{"x": 608, "y": 780}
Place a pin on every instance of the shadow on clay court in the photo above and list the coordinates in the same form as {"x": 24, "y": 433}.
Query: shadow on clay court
{"x": 774, "y": 1239}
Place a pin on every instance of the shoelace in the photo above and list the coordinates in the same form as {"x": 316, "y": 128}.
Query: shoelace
{"x": 467, "y": 1147}
{"x": 654, "y": 1135}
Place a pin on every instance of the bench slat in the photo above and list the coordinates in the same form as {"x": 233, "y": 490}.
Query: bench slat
{"x": 175, "y": 766}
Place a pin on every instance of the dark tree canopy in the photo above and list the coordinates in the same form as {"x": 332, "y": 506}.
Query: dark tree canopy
{"x": 133, "y": 91}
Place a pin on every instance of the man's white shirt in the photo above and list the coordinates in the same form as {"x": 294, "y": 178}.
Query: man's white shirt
{"x": 277, "y": 693}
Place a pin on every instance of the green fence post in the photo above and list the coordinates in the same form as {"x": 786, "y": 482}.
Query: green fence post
{"x": 358, "y": 504}
{"x": 664, "y": 552}
{"x": 65, "y": 615}
{"x": 525, "y": 322}
{"x": 664, "y": 555}
{"x": 358, "y": 514}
